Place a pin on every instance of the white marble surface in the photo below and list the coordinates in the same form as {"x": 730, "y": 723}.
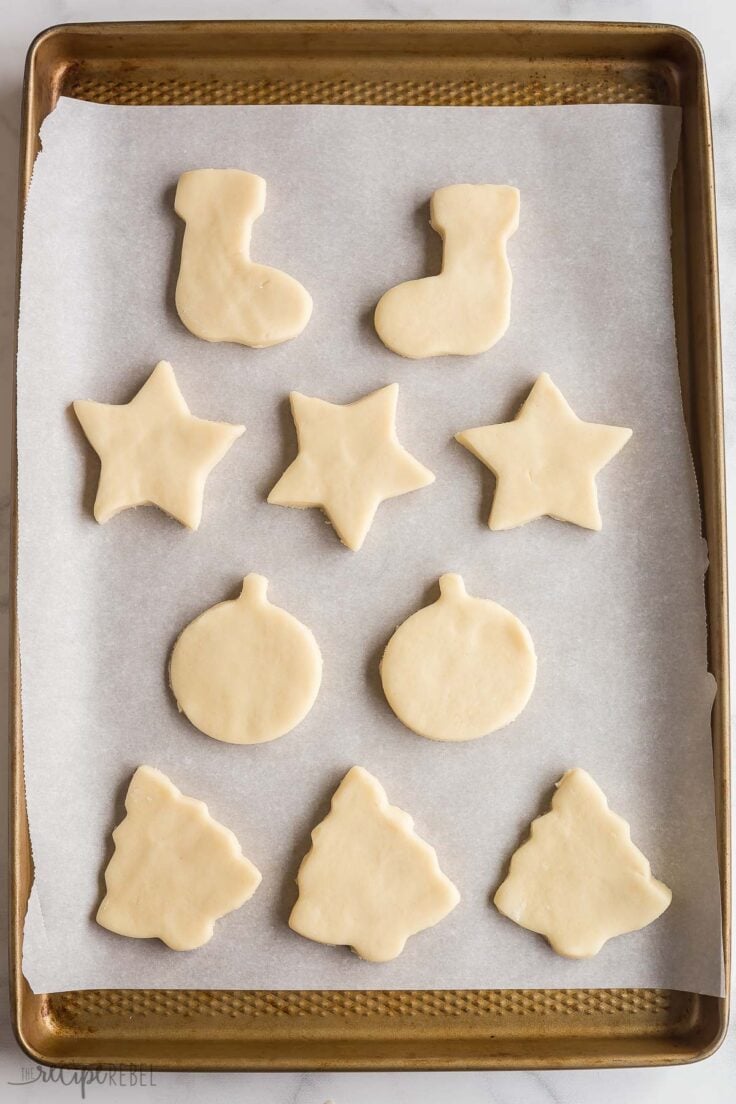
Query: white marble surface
{"x": 714, "y": 22}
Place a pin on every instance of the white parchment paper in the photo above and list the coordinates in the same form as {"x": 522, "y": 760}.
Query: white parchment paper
{"x": 618, "y": 617}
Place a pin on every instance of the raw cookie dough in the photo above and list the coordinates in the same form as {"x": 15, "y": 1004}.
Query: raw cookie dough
{"x": 369, "y": 882}
{"x": 175, "y": 870}
{"x": 221, "y": 295}
{"x": 153, "y": 451}
{"x": 460, "y": 668}
{"x": 579, "y": 880}
{"x": 545, "y": 461}
{"x": 245, "y": 671}
{"x": 466, "y": 308}
{"x": 349, "y": 461}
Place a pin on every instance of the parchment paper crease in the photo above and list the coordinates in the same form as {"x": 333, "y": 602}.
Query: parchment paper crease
{"x": 617, "y": 618}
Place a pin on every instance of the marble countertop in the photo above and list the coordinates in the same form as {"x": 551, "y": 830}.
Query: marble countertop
{"x": 714, "y": 22}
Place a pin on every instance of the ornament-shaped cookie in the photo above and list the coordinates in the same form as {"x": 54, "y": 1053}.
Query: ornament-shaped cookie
{"x": 466, "y": 309}
{"x": 460, "y": 668}
{"x": 175, "y": 870}
{"x": 246, "y": 671}
{"x": 369, "y": 882}
{"x": 579, "y": 880}
{"x": 545, "y": 461}
{"x": 221, "y": 294}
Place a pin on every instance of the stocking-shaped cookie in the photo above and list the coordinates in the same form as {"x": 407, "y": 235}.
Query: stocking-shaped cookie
{"x": 175, "y": 870}
{"x": 579, "y": 880}
{"x": 369, "y": 882}
{"x": 222, "y": 295}
{"x": 466, "y": 308}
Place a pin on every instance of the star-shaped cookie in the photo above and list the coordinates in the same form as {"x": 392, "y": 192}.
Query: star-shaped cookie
{"x": 153, "y": 451}
{"x": 545, "y": 461}
{"x": 349, "y": 461}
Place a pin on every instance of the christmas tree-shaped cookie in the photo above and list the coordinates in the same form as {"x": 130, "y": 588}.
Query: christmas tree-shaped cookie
{"x": 579, "y": 880}
{"x": 369, "y": 882}
{"x": 175, "y": 870}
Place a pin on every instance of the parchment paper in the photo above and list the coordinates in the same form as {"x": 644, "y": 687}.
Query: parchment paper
{"x": 617, "y": 618}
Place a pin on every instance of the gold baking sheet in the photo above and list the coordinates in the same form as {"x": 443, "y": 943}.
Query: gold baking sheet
{"x": 443, "y": 63}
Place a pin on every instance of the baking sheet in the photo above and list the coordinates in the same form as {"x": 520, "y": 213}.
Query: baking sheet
{"x": 618, "y": 618}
